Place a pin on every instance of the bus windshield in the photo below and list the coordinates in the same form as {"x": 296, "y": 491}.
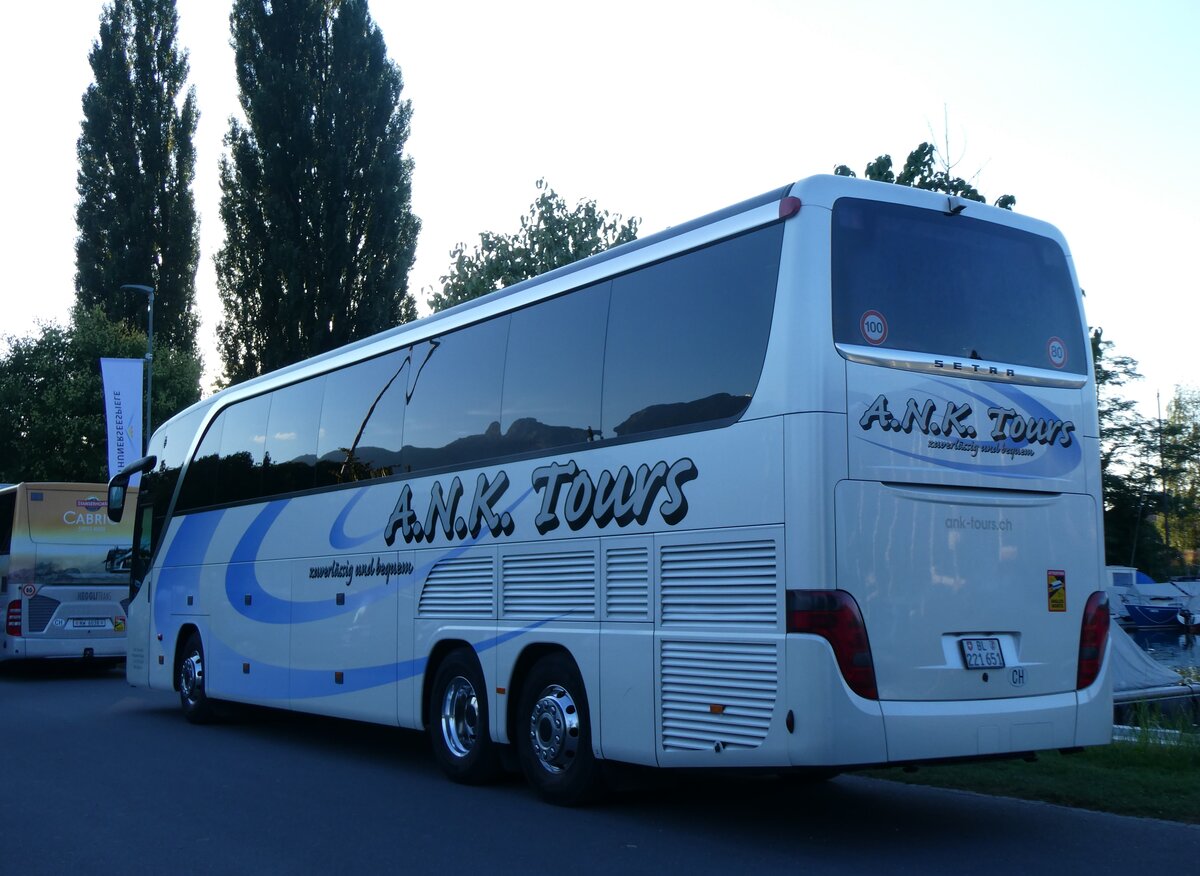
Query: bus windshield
{"x": 906, "y": 278}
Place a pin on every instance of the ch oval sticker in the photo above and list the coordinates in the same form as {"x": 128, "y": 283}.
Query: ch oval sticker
{"x": 1016, "y": 676}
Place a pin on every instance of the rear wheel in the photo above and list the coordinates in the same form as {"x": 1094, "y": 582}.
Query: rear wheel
{"x": 189, "y": 671}
{"x": 553, "y": 734}
{"x": 458, "y": 721}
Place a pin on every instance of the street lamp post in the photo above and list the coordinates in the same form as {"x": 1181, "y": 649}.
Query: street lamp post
{"x": 149, "y": 292}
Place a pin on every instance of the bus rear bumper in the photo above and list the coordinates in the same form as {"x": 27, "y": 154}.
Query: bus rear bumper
{"x": 68, "y": 649}
{"x": 833, "y": 726}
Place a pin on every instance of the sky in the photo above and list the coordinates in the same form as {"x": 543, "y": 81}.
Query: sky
{"x": 1087, "y": 112}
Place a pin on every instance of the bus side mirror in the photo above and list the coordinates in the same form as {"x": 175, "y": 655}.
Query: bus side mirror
{"x": 118, "y": 487}
{"x": 116, "y": 500}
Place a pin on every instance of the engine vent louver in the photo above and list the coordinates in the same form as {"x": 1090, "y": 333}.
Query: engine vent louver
{"x": 722, "y": 583}
{"x": 717, "y": 694}
{"x": 459, "y": 587}
{"x": 627, "y": 584}
{"x": 553, "y": 585}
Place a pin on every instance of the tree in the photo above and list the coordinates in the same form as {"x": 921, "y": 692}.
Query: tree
{"x": 1126, "y": 468}
{"x": 315, "y": 188}
{"x": 925, "y": 168}
{"x": 136, "y": 215}
{"x": 551, "y": 235}
{"x": 1179, "y": 454}
{"x": 52, "y": 395}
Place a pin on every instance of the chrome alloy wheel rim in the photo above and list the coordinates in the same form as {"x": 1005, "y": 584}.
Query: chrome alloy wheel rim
{"x": 460, "y": 717}
{"x": 191, "y": 675}
{"x": 554, "y": 729}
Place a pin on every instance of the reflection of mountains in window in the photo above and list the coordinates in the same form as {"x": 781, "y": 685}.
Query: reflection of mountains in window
{"x": 347, "y": 465}
{"x": 719, "y": 406}
{"x": 524, "y": 435}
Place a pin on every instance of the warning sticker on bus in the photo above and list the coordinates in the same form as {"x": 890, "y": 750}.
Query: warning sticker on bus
{"x": 1056, "y": 589}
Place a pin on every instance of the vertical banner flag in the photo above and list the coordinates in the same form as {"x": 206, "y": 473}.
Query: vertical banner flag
{"x": 123, "y": 411}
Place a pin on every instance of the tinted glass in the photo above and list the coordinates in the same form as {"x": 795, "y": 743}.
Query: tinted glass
{"x": 243, "y": 449}
{"x": 362, "y": 420}
{"x": 170, "y": 446}
{"x": 687, "y": 336}
{"x": 8, "y": 511}
{"x": 554, "y": 372}
{"x": 199, "y": 488}
{"x": 453, "y": 415}
{"x": 911, "y": 279}
{"x": 291, "y": 449}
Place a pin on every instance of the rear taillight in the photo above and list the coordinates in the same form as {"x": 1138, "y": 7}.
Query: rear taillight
{"x": 12, "y": 620}
{"x": 1093, "y": 636}
{"x": 834, "y": 616}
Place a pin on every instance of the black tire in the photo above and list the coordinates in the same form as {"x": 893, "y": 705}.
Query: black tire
{"x": 189, "y": 675}
{"x": 458, "y": 721}
{"x": 553, "y": 733}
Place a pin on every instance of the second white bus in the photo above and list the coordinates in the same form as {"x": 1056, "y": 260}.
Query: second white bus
{"x": 810, "y": 483}
{"x": 64, "y": 573}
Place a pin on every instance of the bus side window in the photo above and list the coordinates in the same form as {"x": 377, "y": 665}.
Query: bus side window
{"x": 554, "y": 372}
{"x": 453, "y": 414}
{"x": 200, "y": 483}
{"x": 687, "y": 336}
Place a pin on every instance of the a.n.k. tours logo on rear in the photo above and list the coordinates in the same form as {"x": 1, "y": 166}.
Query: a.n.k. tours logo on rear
{"x": 989, "y": 435}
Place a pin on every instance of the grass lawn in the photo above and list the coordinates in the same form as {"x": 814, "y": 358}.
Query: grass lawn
{"x": 1141, "y": 778}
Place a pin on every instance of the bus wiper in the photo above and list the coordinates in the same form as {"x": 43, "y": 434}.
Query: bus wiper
{"x": 975, "y": 355}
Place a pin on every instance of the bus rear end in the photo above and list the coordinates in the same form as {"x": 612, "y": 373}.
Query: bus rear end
{"x": 967, "y": 529}
{"x": 67, "y": 576}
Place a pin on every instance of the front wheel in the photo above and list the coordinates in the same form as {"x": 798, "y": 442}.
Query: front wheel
{"x": 189, "y": 671}
{"x": 458, "y": 721}
{"x": 553, "y": 734}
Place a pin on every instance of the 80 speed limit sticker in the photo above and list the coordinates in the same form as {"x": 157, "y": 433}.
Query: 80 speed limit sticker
{"x": 1056, "y": 351}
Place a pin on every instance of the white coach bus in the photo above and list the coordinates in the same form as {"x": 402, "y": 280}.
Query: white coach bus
{"x": 64, "y": 573}
{"x": 810, "y": 482}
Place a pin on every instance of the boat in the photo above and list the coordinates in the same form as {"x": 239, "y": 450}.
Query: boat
{"x": 1137, "y": 599}
{"x": 1145, "y": 615}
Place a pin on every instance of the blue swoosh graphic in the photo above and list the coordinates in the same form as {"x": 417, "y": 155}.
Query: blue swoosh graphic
{"x": 1056, "y": 462}
{"x": 241, "y": 580}
{"x": 271, "y": 681}
{"x": 180, "y": 571}
{"x": 338, "y": 539}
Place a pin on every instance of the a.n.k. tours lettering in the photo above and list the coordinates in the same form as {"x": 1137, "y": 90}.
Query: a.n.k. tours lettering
{"x": 956, "y": 421}
{"x": 567, "y": 494}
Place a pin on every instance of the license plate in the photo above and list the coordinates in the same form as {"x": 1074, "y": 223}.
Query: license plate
{"x": 81, "y": 623}
{"x": 981, "y": 653}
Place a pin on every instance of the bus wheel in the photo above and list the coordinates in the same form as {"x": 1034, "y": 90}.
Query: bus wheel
{"x": 458, "y": 721}
{"x": 197, "y": 707}
{"x": 553, "y": 734}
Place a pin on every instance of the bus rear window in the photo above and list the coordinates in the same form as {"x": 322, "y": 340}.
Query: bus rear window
{"x": 922, "y": 281}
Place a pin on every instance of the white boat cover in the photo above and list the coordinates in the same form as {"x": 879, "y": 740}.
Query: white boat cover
{"x": 1133, "y": 668}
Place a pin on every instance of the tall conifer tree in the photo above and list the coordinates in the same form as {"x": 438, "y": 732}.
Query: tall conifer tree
{"x": 136, "y": 215}
{"x": 316, "y": 189}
